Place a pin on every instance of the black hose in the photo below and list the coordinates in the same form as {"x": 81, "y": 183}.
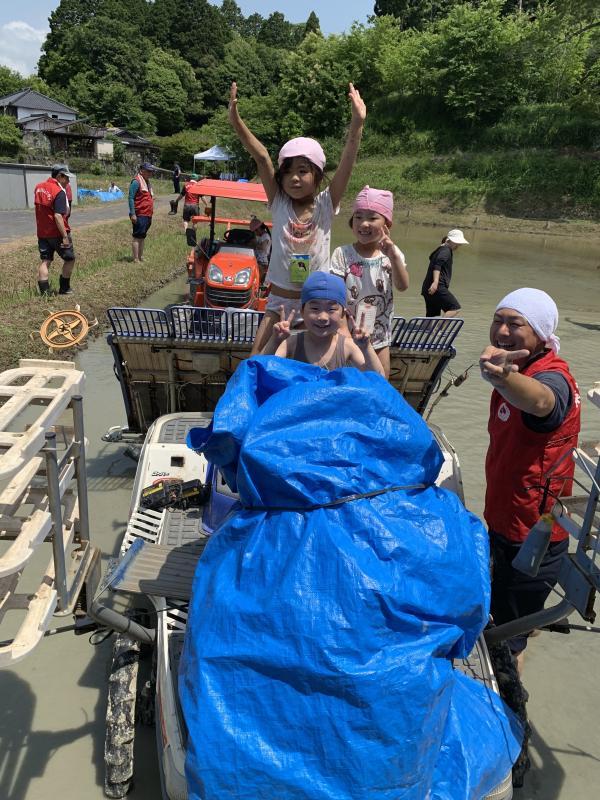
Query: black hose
{"x": 518, "y": 627}
{"x": 120, "y": 623}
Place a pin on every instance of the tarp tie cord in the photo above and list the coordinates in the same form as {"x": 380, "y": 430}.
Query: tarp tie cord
{"x": 349, "y": 499}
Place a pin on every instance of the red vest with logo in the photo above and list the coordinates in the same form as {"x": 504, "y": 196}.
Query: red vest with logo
{"x": 143, "y": 202}
{"x": 518, "y": 459}
{"x": 44, "y": 196}
{"x": 190, "y": 199}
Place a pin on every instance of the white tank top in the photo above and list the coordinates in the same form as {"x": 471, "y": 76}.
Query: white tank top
{"x": 292, "y": 237}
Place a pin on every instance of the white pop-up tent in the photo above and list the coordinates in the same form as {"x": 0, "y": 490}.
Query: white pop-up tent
{"x": 215, "y": 153}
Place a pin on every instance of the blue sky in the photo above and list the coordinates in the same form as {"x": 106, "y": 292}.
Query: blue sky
{"x": 23, "y": 26}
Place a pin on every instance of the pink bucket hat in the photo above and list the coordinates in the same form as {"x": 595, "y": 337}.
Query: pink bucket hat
{"x": 302, "y": 146}
{"x": 379, "y": 200}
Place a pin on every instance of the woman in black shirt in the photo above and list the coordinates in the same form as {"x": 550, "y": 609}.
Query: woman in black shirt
{"x": 439, "y": 300}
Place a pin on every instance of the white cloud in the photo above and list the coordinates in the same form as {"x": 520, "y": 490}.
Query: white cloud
{"x": 20, "y": 45}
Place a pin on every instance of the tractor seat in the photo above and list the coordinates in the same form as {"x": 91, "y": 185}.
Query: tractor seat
{"x": 239, "y": 237}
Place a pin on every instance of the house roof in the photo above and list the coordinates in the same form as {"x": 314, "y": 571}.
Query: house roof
{"x": 29, "y": 98}
{"x": 130, "y": 138}
{"x": 61, "y": 127}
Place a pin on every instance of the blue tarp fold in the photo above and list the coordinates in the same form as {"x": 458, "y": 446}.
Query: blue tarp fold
{"x": 106, "y": 197}
{"x": 319, "y": 647}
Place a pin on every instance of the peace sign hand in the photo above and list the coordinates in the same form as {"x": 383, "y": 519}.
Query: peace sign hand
{"x": 359, "y": 334}
{"x": 496, "y": 364}
{"x": 282, "y": 329}
{"x": 386, "y": 245}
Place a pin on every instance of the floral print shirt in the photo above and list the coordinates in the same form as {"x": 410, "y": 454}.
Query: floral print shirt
{"x": 368, "y": 280}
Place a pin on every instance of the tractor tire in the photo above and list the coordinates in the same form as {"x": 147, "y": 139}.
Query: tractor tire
{"x": 515, "y": 696}
{"x": 120, "y": 717}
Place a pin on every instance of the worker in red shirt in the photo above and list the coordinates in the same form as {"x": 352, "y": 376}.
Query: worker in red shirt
{"x": 52, "y": 211}
{"x": 191, "y": 202}
{"x": 534, "y": 424}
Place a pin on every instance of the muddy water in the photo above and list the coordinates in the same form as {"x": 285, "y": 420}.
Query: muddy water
{"x": 51, "y": 727}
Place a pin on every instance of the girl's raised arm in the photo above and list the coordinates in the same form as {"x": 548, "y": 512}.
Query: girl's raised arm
{"x": 339, "y": 182}
{"x": 252, "y": 145}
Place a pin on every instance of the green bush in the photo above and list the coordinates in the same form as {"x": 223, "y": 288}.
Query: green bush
{"x": 544, "y": 125}
{"x": 538, "y": 184}
{"x": 10, "y": 136}
{"x": 181, "y": 147}
{"x": 533, "y": 183}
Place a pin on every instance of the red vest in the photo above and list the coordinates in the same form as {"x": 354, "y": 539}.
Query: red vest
{"x": 190, "y": 199}
{"x": 44, "y": 196}
{"x": 143, "y": 201}
{"x": 518, "y": 458}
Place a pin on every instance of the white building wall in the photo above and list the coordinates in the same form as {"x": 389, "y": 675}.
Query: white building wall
{"x": 18, "y": 181}
{"x": 23, "y": 111}
{"x": 104, "y": 149}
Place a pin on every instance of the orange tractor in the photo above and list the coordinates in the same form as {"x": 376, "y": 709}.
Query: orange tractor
{"x": 224, "y": 272}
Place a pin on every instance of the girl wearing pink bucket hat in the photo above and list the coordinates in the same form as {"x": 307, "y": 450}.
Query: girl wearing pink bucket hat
{"x": 302, "y": 215}
{"x": 371, "y": 267}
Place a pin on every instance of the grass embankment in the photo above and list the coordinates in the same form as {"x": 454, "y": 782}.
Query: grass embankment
{"x": 104, "y": 276}
{"x": 525, "y": 190}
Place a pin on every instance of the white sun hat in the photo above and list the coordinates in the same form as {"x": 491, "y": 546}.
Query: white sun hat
{"x": 456, "y": 236}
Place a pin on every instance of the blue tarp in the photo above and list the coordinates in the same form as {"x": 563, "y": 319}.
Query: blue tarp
{"x": 106, "y": 197}
{"x": 319, "y": 645}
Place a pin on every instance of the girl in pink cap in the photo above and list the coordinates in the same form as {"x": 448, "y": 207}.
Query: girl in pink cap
{"x": 372, "y": 266}
{"x": 302, "y": 215}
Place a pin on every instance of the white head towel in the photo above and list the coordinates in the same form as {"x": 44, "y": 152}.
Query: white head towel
{"x": 540, "y": 311}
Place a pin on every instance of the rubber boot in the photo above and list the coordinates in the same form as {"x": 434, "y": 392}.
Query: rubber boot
{"x": 44, "y": 287}
{"x": 65, "y": 285}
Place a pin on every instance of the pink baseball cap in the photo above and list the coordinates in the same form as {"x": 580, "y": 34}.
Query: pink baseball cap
{"x": 302, "y": 146}
{"x": 379, "y": 200}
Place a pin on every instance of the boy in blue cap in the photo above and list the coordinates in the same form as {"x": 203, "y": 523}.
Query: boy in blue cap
{"x": 321, "y": 343}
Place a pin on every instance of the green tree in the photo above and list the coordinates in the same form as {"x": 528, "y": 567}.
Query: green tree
{"x": 552, "y": 57}
{"x": 10, "y": 81}
{"x": 244, "y": 62}
{"x": 193, "y": 28}
{"x": 110, "y": 101}
{"x": 164, "y": 95}
{"x": 414, "y": 13}
{"x": 467, "y": 68}
{"x": 172, "y": 92}
{"x": 10, "y": 136}
{"x": 276, "y": 31}
{"x": 181, "y": 147}
{"x": 263, "y": 116}
{"x": 479, "y": 61}
{"x": 101, "y": 45}
{"x": 70, "y": 14}
{"x": 363, "y": 51}
{"x": 312, "y": 95}
{"x": 252, "y": 26}
{"x": 312, "y": 25}
{"x": 232, "y": 14}
{"x": 39, "y": 85}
